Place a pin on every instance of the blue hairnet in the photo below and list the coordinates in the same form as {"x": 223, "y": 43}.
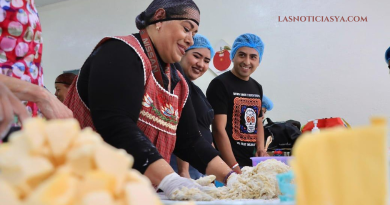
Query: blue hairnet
{"x": 200, "y": 41}
{"x": 387, "y": 55}
{"x": 248, "y": 40}
{"x": 267, "y": 103}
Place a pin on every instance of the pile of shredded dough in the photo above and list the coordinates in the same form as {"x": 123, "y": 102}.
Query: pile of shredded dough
{"x": 254, "y": 183}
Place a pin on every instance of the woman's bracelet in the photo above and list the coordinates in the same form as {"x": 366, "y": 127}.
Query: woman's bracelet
{"x": 235, "y": 165}
{"x": 227, "y": 176}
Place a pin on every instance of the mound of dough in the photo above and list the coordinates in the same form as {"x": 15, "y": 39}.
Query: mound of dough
{"x": 254, "y": 183}
{"x": 206, "y": 181}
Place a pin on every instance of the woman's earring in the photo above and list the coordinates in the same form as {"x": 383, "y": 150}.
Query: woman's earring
{"x": 158, "y": 28}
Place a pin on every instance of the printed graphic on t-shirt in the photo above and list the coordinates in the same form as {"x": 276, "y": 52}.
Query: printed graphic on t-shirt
{"x": 249, "y": 124}
{"x": 245, "y": 114}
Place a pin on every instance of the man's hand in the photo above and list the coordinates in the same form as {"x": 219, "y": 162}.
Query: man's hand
{"x": 10, "y": 105}
{"x": 261, "y": 153}
{"x": 51, "y": 107}
{"x": 173, "y": 181}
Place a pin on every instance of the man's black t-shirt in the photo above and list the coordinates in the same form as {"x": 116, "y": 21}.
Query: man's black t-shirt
{"x": 241, "y": 101}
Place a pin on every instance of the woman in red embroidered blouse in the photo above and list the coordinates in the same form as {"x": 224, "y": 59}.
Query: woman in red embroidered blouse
{"x": 143, "y": 107}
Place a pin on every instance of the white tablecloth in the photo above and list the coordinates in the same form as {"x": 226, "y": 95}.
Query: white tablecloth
{"x": 232, "y": 202}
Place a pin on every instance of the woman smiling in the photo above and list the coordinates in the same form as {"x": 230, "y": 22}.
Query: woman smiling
{"x": 143, "y": 105}
{"x": 195, "y": 63}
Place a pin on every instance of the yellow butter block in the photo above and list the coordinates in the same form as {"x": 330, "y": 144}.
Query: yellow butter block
{"x": 342, "y": 166}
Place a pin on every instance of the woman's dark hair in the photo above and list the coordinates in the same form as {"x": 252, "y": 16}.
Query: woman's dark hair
{"x": 174, "y": 10}
{"x": 66, "y": 79}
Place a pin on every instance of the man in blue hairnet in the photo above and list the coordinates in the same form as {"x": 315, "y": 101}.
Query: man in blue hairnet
{"x": 236, "y": 100}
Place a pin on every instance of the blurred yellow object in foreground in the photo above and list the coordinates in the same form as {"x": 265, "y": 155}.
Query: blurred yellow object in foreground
{"x": 342, "y": 166}
{"x": 56, "y": 163}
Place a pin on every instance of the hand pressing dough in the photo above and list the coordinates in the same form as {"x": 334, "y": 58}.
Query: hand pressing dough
{"x": 254, "y": 183}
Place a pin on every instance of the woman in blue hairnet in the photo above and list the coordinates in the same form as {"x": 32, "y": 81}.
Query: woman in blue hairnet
{"x": 266, "y": 105}
{"x": 195, "y": 63}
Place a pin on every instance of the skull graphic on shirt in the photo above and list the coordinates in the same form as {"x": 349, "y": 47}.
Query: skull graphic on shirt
{"x": 250, "y": 120}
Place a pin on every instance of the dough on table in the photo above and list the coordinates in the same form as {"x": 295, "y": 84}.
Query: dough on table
{"x": 254, "y": 183}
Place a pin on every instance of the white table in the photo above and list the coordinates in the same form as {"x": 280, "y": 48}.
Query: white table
{"x": 226, "y": 202}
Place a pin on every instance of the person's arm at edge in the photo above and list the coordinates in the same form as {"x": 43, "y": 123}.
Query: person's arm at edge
{"x": 260, "y": 144}
{"x": 195, "y": 149}
{"x": 49, "y": 105}
{"x": 183, "y": 168}
{"x": 23, "y": 90}
{"x": 9, "y": 105}
{"x": 157, "y": 170}
{"x": 219, "y": 168}
{"x": 260, "y": 149}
